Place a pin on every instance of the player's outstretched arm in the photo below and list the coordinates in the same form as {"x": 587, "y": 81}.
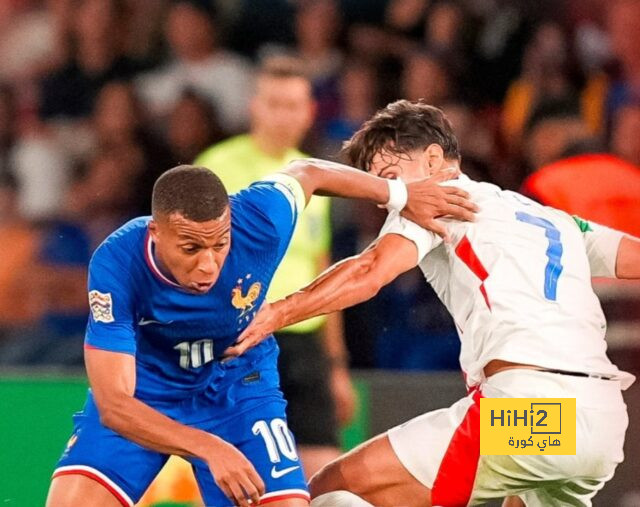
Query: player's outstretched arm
{"x": 112, "y": 379}
{"x": 420, "y": 201}
{"x": 611, "y": 253}
{"x": 347, "y": 283}
{"x": 628, "y": 259}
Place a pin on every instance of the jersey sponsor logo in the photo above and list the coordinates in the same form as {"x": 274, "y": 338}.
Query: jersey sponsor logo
{"x": 245, "y": 302}
{"x": 276, "y": 474}
{"x": 101, "y": 306}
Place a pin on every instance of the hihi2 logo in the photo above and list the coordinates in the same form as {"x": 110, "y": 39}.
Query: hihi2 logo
{"x": 527, "y": 426}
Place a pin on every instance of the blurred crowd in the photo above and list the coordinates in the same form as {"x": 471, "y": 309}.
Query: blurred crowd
{"x": 98, "y": 97}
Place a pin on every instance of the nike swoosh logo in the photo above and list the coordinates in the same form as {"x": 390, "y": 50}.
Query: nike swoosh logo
{"x": 146, "y": 322}
{"x": 276, "y": 474}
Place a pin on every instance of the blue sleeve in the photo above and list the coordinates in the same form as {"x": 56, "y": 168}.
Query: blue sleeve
{"x": 277, "y": 204}
{"x": 111, "y": 319}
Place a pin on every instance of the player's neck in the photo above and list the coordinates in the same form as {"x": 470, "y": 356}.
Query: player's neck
{"x": 266, "y": 145}
{"x": 160, "y": 265}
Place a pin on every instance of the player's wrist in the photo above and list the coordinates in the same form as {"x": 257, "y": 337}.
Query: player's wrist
{"x": 398, "y": 195}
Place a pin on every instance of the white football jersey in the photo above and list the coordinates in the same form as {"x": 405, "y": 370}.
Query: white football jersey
{"x": 517, "y": 282}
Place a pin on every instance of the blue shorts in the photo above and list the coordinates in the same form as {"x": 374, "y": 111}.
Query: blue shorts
{"x": 248, "y": 413}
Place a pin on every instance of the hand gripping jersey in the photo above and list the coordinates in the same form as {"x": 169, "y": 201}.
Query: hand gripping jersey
{"x": 178, "y": 337}
{"x": 517, "y": 282}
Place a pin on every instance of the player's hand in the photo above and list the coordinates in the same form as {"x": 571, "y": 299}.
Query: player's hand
{"x": 427, "y": 200}
{"x": 343, "y": 394}
{"x": 266, "y": 321}
{"x": 234, "y": 474}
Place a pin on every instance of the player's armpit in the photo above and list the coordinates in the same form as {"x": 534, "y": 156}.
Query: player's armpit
{"x": 628, "y": 259}
{"x": 394, "y": 255}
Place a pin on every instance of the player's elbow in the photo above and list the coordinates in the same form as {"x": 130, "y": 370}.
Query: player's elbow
{"x": 628, "y": 258}
{"x": 368, "y": 277}
{"x": 113, "y": 411}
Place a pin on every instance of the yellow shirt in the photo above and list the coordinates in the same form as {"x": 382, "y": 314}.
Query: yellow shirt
{"x": 238, "y": 162}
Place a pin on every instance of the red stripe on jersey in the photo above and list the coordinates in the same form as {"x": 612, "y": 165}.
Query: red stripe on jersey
{"x": 465, "y": 252}
{"x": 99, "y": 480}
{"x": 277, "y": 498}
{"x": 457, "y": 473}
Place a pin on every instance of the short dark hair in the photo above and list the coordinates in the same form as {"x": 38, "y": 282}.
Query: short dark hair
{"x": 283, "y": 66}
{"x": 401, "y": 127}
{"x": 553, "y": 110}
{"x": 194, "y": 192}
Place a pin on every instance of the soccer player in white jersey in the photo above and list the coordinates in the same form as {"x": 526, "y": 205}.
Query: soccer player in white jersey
{"x": 517, "y": 282}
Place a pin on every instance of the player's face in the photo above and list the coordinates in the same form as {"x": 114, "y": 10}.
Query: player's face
{"x": 192, "y": 252}
{"x": 411, "y": 166}
{"x": 405, "y": 166}
{"x": 282, "y": 110}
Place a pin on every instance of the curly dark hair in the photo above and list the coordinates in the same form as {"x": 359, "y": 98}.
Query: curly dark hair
{"x": 401, "y": 127}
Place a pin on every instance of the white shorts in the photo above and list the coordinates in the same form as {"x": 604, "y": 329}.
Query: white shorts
{"x": 442, "y": 448}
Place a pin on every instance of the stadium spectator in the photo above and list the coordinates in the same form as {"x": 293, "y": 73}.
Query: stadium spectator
{"x": 427, "y": 75}
{"x": 103, "y": 193}
{"x": 444, "y": 27}
{"x": 313, "y": 360}
{"x": 544, "y": 77}
{"x": 625, "y": 133}
{"x": 553, "y": 128}
{"x": 18, "y": 249}
{"x": 30, "y": 43}
{"x": 192, "y": 127}
{"x": 623, "y": 21}
{"x": 97, "y": 56}
{"x": 56, "y": 280}
{"x": 198, "y": 62}
{"x": 597, "y": 186}
{"x": 119, "y": 126}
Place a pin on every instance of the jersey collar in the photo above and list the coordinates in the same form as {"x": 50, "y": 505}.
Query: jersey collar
{"x": 151, "y": 262}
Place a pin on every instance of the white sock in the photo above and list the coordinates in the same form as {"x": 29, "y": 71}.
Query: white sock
{"x": 339, "y": 499}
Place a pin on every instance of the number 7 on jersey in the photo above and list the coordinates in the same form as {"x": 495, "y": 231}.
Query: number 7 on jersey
{"x": 554, "y": 252}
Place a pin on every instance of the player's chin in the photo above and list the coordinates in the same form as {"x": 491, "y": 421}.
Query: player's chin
{"x": 201, "y": 287}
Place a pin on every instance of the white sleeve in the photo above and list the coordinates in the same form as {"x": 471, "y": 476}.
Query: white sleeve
{"x": 424, "y": 240}
{"x": 602, "y": 245}
{"x": 291, "y": 189}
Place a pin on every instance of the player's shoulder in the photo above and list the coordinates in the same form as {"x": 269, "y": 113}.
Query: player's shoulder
{"x": 257, "y": 198}
{"x": 472, "y": 186}
{"x": 123, "y": 243}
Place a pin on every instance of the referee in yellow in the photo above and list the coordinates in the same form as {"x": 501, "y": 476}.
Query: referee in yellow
{"x": 313, "y": 360}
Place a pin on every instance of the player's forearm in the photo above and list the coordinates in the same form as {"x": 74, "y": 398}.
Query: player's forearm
{"x": 146, "y": 426}
{"x": 628, "y": 259}
{"x": 321, "y": 177}
{"x": 343, "y": 285}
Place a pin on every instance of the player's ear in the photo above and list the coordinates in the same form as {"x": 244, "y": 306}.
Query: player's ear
{"x": 434, "y": 157}
{"x": 153, "y": 230}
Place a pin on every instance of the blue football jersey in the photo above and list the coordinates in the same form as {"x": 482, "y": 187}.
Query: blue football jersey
{"x": 177, "y": 337}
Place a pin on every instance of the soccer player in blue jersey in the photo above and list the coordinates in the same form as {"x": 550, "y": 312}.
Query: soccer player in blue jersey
{"x": 168, "y": 294}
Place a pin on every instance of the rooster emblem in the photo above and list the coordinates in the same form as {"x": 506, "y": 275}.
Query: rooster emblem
{"x": 245, "y": 302}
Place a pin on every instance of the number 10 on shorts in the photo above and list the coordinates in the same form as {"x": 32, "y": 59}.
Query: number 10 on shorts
{"x": 527, "y": 426}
